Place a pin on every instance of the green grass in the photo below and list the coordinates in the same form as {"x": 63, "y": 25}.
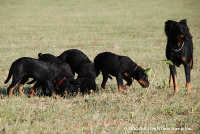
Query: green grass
{"x": 133, "y": 28}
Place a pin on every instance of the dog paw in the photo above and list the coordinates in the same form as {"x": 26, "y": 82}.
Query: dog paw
{"x": 102, "y": 89}
{"x": 126, "y": 87}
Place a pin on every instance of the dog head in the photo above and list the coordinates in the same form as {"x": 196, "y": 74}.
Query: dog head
{"x": 141, "y": 76}
{"x": 177, "y": 30}
{"x": 69, "y": 87}
{"x": 87, "y": 85}
{"x": 46, "y": 57}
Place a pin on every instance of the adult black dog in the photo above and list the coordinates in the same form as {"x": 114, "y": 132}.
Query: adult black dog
{"x": 122, "y": 67}
{"x": 179, "y": 50}
{"x": 81, "y": 64}
{"x": 26, "y": 67}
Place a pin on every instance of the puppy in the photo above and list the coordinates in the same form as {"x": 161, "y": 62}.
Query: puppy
{"x": 25, "y": 67}
{"x": 64, "y": 83}
{"x": 81, "y": 64}
{"x": 84, "y": 83}
{"x": 75, "y": 58}
{"x": 122, "y": 67}
{"x": 179, "y": 50}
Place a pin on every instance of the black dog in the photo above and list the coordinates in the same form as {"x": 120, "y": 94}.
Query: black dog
{"x": 179, "y": 50}
{"x": 25, "y": 67}
{"x": 65, "y": 82}
{"x": 62, "y": 82}
{"x": 84, "y": 83}
{"x": 122, "y": 67}
{"x": 75, "y": 58}
{"x": 81, "y": 64}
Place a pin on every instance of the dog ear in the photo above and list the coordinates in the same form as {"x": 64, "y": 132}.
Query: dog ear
{"x": 188, "y": 35}
{"x": 184, "y": 21}
{"x": 168, "y": 26}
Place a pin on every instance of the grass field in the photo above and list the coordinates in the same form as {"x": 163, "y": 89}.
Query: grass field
{"x": 133, "y": 28}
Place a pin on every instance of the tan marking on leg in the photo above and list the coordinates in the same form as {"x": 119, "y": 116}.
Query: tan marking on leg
{"x": 54, "y": 95}
{"x": 102, "y": 89}
{"x": 121, "y": 89}
{"x": 176, "y": 89}
{"x": 188, "y": 87}
{"x": 20, "y": 88}
{"x": 11, "y": 92}
{"x": 126, "y": 87}
{"x": 170, "y": 80}
{"x": 32, "y": 92}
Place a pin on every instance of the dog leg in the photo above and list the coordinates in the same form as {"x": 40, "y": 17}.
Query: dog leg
{"x": 103, "y": 84}
{"x": 50, "y": 87}
{"x": 32, "y": 92}
{"x": 174, "y": 75}
{"x": 102, "y": 89}
{"x": 20, "y": 88}
{"x": 10, "y": 91}
{"x": 121, "y": 89}
{"x": 12, "y": 86}
{"x": 53, "y": 95}
{"x": 120, "y": 83}
{"x": 64, "y": 95}
{"x": 21, "y": 85}
{"x": 188, "y": 87}
{"x": 187, "y": 75}
{"x": 129, "y": 82}
{"x": 191, "y": 63}
{"x": 170, "y": 80}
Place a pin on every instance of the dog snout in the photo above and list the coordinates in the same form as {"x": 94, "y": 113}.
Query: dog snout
{"x": 144, "y": 84}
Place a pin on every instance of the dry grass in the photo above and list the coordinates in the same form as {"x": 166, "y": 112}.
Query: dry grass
{"x": 133, "y": 28}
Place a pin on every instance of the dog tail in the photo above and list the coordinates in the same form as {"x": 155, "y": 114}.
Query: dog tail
{"x": 9, "y": 74}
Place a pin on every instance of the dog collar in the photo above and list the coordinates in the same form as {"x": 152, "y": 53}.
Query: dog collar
{"x": 61, "y": 81}
{"x": 179, "y": 49}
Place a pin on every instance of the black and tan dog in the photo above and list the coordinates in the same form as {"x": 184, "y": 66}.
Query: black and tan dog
{"x": 68, "y": 84}
{"x": 122, "y": 67}
{"x": 26, "y": 67}
{"x": 65, "y": 82}
{"x": 51, "y": 69}
{"x": 179, "y": 50}
{"x": 81, "y": 64}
